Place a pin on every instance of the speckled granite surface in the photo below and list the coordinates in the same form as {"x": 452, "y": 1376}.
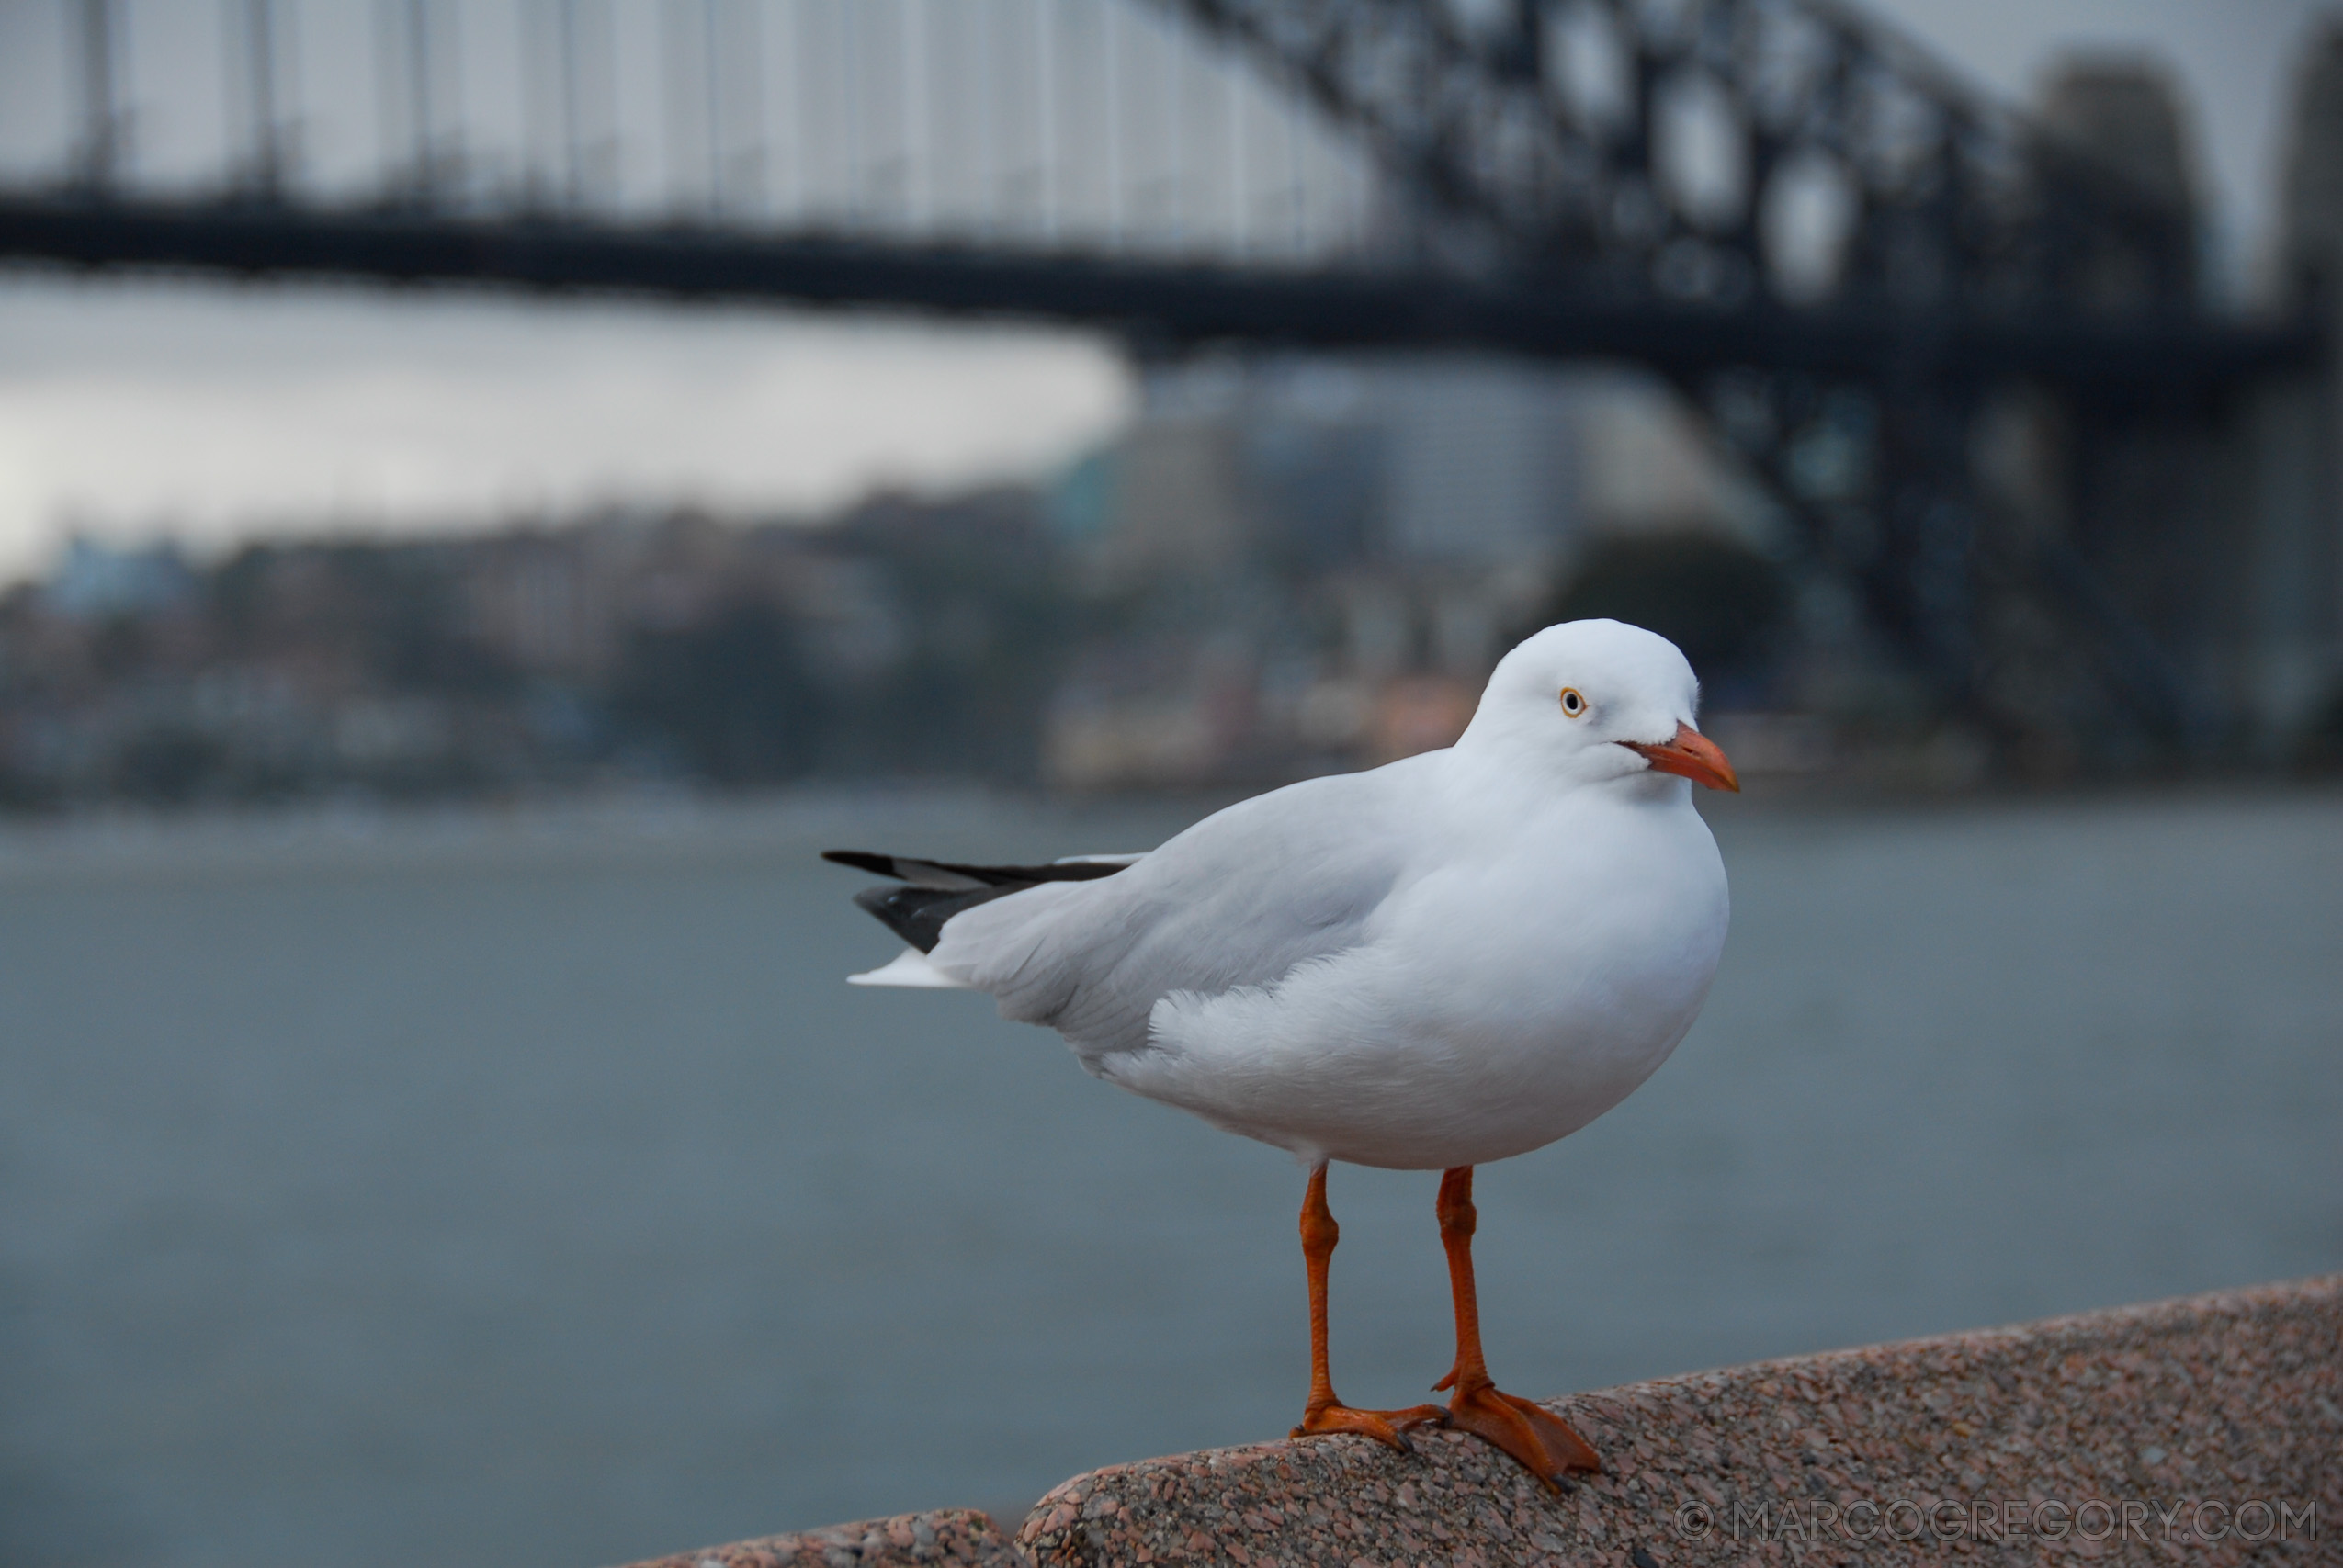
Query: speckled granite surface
{"x": 942, "y": 1539}
{"x": 2207, "y": 1430}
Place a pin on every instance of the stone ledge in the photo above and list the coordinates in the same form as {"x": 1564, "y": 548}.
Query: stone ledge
{"x": 1985, "y": 1445}
{"x": 939, "y": 1539}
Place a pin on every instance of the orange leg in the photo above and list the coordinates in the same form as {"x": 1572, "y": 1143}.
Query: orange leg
{"x": 1325, "y": 1412}
{"x": 1540, "y": 1440}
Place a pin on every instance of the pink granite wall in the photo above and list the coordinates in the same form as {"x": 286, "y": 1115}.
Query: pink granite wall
{"x": 2202, "y": 1431}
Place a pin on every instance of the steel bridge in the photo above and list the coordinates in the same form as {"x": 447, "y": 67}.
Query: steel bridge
{"x": 1838, "y": 252}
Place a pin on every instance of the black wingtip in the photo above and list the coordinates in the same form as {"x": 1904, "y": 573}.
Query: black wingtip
{"x": 926, "y": 893}
{"x": 862, "y": 859}
{"x": 916, "y": 914}
{"x": 958, "y": 875}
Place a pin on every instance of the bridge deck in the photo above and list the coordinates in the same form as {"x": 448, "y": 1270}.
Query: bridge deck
{"x": 1156, "y": 304}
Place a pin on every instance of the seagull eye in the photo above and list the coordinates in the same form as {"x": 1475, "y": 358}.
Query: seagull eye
{"x": 1573, "y": 704}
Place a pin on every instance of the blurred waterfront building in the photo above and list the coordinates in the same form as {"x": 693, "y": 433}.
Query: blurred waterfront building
{"x": 631, "y": 650}
{"x": 1303, "y": 563}
{"x": 95, "y": 580}
{"x": 2294, "y": 639}
{"x": 2125, "y": 113}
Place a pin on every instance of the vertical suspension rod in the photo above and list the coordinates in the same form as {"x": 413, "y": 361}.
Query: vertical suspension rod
{"x": 98, "y": 158}
{"x": 260, "y": 108}
{"x": 418, "y": 18}
{"x": 566, "y": 44}
{"x": 1110, "y": 77}
{"x": 919, "y": 137}
{"x": 1045, "y": 66}
{"x": 712, "y": 91}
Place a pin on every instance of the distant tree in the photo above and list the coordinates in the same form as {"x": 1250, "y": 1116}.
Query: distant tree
{"x": 1718, "y": 601}
{"x": 987, "y": 628}
{"x": 2322, "y": 745}
{"x": 732, "y": 695}
{"x": 169, "y": 767}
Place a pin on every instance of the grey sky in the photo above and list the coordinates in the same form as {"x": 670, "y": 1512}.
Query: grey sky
{"x": 212, "y": 413}
{"x": 208, "y": 414}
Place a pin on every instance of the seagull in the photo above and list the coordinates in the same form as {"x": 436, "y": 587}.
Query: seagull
{"x": 1455, "y": 958}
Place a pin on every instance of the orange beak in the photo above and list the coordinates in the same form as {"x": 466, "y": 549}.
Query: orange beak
{"x": 1690, "y": 755}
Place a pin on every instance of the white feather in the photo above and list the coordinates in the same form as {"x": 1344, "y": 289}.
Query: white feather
{"x": 909, "y": 969}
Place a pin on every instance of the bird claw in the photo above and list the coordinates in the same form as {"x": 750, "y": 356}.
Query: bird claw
{"x": 1390, "y": 1427}
{"x": 1541, "y": 1441}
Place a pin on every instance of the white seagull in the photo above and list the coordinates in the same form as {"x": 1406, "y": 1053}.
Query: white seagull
{"x": 1453, "y": 959}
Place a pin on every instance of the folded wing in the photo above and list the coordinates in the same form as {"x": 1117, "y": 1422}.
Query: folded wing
{"x": 1239, "y": 899}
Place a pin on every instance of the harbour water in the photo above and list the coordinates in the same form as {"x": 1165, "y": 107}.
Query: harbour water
{"x": 527, "y": 1189}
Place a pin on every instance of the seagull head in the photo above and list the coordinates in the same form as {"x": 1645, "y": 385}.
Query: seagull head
{"x": 1597, "y": 701}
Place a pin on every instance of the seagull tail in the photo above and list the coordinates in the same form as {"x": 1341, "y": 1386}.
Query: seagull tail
{"x": 928, "y": 892}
